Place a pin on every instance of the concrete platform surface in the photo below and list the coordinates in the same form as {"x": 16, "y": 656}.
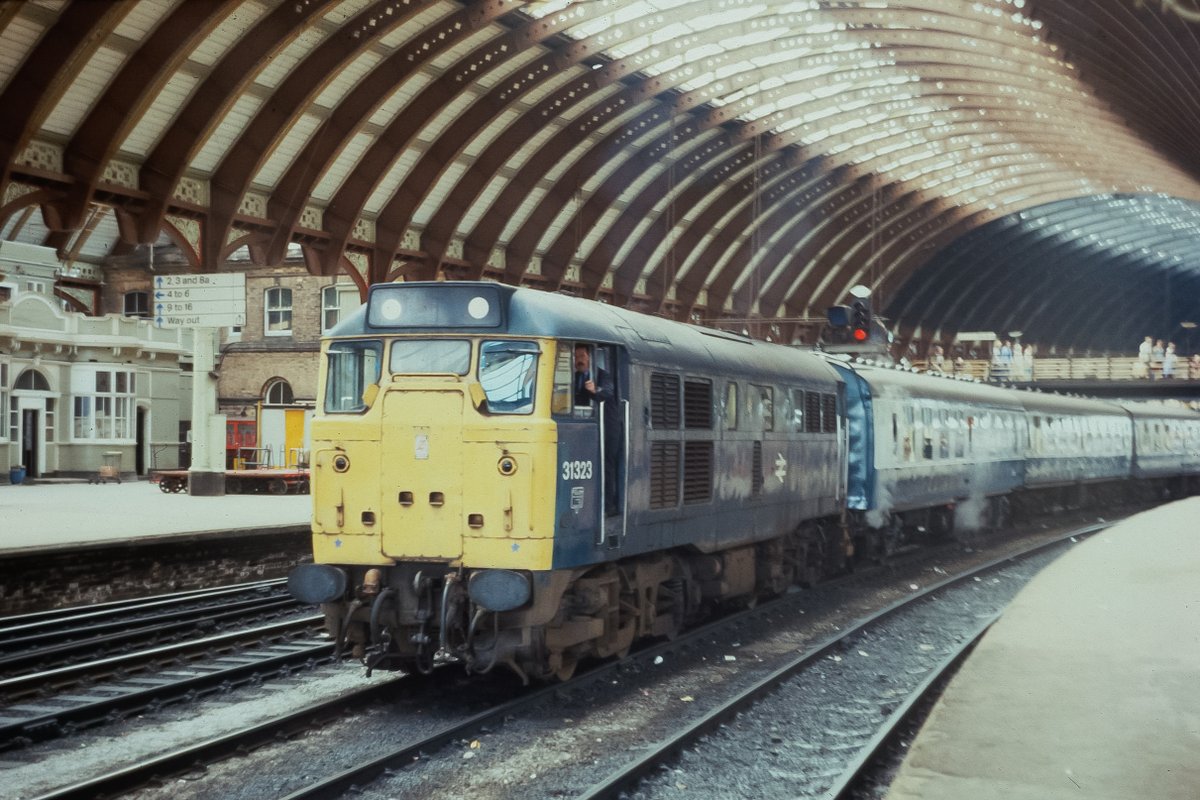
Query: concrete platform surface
{"x": 51, "y": 516}
{"x": 1087, "y": 687}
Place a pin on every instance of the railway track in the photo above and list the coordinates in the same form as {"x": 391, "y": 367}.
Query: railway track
{"x": 416, "y": 748}
{"x": 864, "y": 717}
{"x": 68, "y": 669}
{"x": 211, "y": 665}
{"x": 64, "y": 636}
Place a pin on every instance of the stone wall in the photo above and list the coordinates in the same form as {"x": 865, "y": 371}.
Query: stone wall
{"x": 102, "y": 573}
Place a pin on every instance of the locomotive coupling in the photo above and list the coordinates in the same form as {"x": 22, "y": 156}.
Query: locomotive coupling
{"x": 371, "y": 582}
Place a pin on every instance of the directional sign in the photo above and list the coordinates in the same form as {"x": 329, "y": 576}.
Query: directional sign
{"x": 200, "y": 301}
{"x": 200, "y": 321}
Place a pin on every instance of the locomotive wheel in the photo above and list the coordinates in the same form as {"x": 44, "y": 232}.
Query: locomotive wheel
{"x": 893, "y": 535}
{"x": 941, "y": 522}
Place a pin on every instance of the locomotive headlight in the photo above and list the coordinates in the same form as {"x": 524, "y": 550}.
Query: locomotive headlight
{"x": 341, "y": 463}
{"x": 507, "y": 465}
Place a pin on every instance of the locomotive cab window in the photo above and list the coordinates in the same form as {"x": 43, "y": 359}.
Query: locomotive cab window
{"x": 508, "y": 374}
{"x": 430, "y": 357}
{"x": 352, "y": 366}
{"x": 584, "y": 377}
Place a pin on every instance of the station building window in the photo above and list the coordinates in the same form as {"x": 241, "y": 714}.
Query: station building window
{"x": 330, "y": 308}
{"x": 277, "y": 311}
{"x": 137, "y": 304}
{"x": 278, "y": 393}
{"x": 104, "y": 403}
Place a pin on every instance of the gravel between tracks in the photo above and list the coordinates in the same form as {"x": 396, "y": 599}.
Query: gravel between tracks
{"x": 556, "y": 751}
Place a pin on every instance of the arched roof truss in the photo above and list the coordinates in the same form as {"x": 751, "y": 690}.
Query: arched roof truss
{"x": 996, "y": 164}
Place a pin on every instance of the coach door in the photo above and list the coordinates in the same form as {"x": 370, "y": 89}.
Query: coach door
{"x": 592, "y": 412}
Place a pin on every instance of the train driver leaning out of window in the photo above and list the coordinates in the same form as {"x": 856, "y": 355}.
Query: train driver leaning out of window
{"x": 593, "y": 386}
{"x": 587, "y": 384}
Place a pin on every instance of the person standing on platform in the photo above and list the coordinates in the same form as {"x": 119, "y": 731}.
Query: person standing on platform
{"x": 1168, "y": 364}
{"x": 1156, "y": 358}
{"x": 1141, "y": 368}
{"x": 937, "y": 362}
{"x": 1194, "y": 367}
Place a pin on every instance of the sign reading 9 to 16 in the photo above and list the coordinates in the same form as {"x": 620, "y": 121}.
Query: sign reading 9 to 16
{"x": 199, "y": 301}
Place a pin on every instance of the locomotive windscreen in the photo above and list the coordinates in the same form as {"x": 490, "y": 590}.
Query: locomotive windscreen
{"x": 423, "y": 305}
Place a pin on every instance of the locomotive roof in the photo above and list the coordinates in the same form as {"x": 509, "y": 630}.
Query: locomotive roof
{"x": 531, "y": 312}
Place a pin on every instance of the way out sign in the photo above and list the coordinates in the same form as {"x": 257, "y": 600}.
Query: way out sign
{"x": 199, "y": 301}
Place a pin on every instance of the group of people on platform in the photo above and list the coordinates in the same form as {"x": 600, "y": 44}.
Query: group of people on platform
{"x": 1156, "y": 361}
{"x": 1009, "y": 362}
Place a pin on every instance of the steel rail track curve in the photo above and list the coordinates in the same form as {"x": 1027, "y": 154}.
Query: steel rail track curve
{"x": 627, "y": 777}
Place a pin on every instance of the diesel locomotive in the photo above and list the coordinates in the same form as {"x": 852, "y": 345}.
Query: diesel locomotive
{"x": 470, "y": 502}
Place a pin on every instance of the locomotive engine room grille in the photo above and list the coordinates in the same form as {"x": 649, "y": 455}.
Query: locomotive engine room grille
{"x": 697, "y": 472}
{"x": 664, "y": 401}
{"x": 756, "y": 480}
{"x": 664, "y": 474}
{"x": 829, "y": 413}
{"x": 697, "y": 405}
{"x": 812, "y": 412}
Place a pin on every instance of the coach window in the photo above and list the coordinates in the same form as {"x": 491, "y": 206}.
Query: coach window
{"x": 731, "y": 406}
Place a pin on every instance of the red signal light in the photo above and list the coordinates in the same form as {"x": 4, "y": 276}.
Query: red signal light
{"x": 860, "y": 334}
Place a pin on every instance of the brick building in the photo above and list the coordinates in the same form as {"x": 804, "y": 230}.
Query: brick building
{"x": 268, "y": 369}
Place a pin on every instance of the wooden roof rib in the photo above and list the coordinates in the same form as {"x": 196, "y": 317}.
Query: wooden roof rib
{"x": 996, "y": 164}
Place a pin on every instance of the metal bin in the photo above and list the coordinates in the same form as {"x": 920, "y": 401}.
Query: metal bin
{"x": 111, "y": 468}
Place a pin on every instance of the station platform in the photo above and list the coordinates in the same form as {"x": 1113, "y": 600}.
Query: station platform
{"x": 1088, "y": 686}
{"x": 45, "y": 517}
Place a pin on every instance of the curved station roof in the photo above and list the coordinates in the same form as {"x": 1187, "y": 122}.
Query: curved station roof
{"x": 989, "y": 165}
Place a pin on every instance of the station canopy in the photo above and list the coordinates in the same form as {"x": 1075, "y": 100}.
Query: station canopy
{"x": 995, "y": 165}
